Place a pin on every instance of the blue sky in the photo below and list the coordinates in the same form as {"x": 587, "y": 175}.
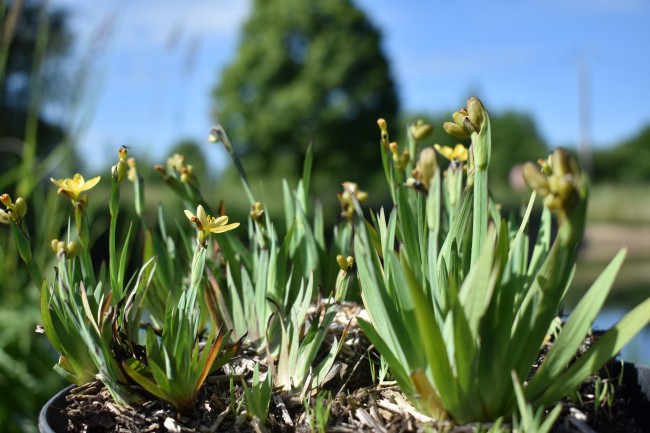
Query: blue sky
{"x": 154, "y": 72}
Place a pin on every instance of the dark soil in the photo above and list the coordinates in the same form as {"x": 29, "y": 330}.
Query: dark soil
{"x": 357, "y": 405}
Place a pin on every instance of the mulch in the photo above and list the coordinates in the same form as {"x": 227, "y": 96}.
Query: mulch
{"x": 357, "y": 403}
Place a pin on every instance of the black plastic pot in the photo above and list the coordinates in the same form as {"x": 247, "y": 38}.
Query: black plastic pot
{"x": 51, "y": 419}
{"x": 636, "y": 391}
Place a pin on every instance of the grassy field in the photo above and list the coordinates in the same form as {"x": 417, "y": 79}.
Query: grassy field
{"x": 618, "y": 217}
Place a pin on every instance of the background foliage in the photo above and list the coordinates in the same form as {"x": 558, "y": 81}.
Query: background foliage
{"x": 298, "y": 77}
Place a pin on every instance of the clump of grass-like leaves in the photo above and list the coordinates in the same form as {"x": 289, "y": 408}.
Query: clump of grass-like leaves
{"x": 458, "y": 302}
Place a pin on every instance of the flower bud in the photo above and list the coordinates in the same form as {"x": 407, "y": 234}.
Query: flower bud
{"x": 342, "y": 262}
{"x": 421, "y": 130}
{"x": 384, "y": 132}
{"x": 350, "y": 261}
{"x": 122, "y": 153}
{"x": 257, "y": 211}
{"x": 427, "y": 165}
{"x": 535, "y": 179}
{"x": 20, "y": 207}
{"x": 459, "y": 118}
{"x": 402, "y": 160}
{"x": 54, "y": 244}
{"x": 133, "y": 170}
{"x": 561, "y": 162}
{"x": 5, "y": 199}
{"x": 455, "y": 131}
{"x": 4, "y": 217}
{"x": 393, "y": 148}
{"x": 120, "y": 170}
{"x": 71, "y": 249}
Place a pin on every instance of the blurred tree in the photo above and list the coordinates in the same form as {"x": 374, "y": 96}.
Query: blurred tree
{"x": 515, "y": 139}
{"x": 34, "y": 43}
{"x": 307, "y": 70}
{"x": 627, "y": 162}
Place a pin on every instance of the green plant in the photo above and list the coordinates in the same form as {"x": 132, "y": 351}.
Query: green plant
{"x": 379, "y": 368}
{"x": 271, "y": 291}
{"x": 268, "y": 275}
{"x": 318, "y": 415}
{"x": 528, "y": 420}
{"x": 295, "y": 369}
{"x": 482, "y": 302}
{"x": 176, "y": 365}
{"x": 258, "y": 396}
{"x": 93, "y": 317}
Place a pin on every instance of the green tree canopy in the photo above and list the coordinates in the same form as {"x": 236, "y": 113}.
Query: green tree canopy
{"x": 627, "y": 162}
{"x": 307, "y": 70}
{"x": 515, "y": 139}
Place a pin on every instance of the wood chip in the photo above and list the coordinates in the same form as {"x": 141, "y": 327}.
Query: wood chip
{"x": 285, "y": 413}
{"x": 369, "y": 421}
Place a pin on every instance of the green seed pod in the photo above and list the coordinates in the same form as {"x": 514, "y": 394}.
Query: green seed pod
{"x": 455, "y": 131}
{"x": 565, "y": 191}
{"x": 535, "y": 179}
{"x": 561, "y": 162}
{"x": 475, "y": 112}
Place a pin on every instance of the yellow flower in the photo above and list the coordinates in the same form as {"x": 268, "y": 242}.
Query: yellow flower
{"x": 458, "y": 153}
{"x": 207, "y": 224}
{"x": 176, "y": 162}
{"x": 347, "y": 204}
{"x": 75, "y": 186}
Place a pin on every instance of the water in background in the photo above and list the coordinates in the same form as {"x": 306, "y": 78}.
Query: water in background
{"x": 638, "y": 349}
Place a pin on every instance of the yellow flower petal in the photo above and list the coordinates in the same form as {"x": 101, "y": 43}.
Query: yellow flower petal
{"x": 75, "y": 186}
{"x": 445, "y": 151}
{"x": 460, "y": 152}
